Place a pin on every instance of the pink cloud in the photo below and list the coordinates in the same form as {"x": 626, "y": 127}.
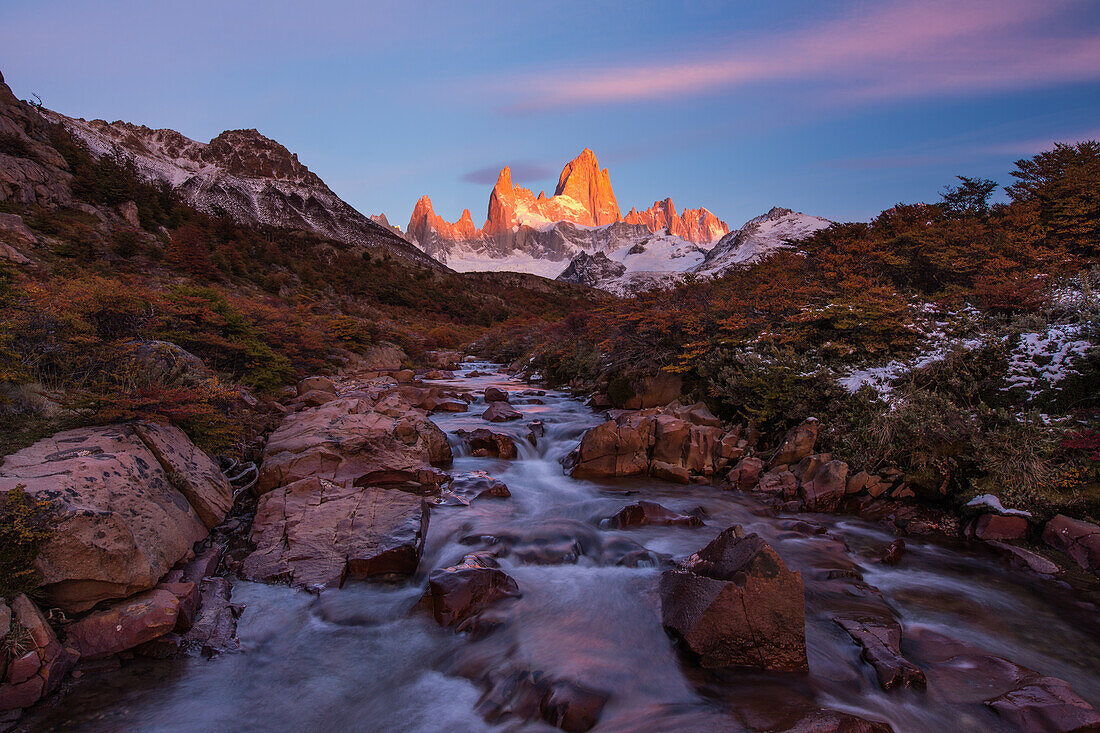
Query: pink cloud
{"x": 904, "y": 48}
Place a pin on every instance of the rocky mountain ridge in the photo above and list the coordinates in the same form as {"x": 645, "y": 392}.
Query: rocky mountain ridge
{"x": 539, "y": 234}
{"x": 244, "y": 175}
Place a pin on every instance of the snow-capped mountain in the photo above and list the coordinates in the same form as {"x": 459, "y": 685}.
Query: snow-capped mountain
{"x": 759, "y": 237}
{"x": 658, "y": 260}
{"x": 246, "y": 176}
{"x": 540, "y": 235}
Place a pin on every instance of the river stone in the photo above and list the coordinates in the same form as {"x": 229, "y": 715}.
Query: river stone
{"x": 646, "y": 513}
{"x": 881, "y": 643}
{"x": 131, "y": 500}
{"x": 458, "y": 594}
{"x": 316, "y": 533}
{"x": 495, "y": 394}
{"x": 1045, "y": 704}
{"x": 501, "y": 412}
{"x": 735, "y": 604}
{"x": 497, "y": 445}
{"x": 214, "y": 630}
{"x": 124, "y": 625}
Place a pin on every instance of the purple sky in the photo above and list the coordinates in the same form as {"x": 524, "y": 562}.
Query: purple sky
{"x": 834, "y": 108}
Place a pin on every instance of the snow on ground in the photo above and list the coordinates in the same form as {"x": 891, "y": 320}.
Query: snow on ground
{"x": 467, "y": 261}
{"x": 1042, "y": 360}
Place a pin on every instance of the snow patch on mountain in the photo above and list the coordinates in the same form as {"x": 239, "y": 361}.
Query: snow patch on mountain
{"x": 759, "y": 237}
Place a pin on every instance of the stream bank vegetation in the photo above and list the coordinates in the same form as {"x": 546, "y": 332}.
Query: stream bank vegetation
{"x": 958, "y": 341}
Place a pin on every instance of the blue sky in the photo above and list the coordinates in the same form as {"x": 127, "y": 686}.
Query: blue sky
{"x": 838, "y": 109}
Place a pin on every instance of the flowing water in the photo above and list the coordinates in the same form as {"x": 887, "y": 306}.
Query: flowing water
{"x": 367, "y": 658}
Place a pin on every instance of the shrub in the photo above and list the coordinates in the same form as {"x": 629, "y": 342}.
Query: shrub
{"x": 25, "y": 525}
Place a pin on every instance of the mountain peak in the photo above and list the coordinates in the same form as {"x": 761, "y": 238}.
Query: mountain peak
{"x": 582, "y": 180}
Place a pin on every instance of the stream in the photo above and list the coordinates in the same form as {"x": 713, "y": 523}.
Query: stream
{"x": 367, "y": 658}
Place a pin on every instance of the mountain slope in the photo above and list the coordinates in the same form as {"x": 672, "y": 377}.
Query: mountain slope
{"x": 244, "y": 175}
{"x": 759, "y": 237}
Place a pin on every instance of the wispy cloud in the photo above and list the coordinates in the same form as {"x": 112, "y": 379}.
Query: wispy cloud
{"x": 524, "y": 171}
{"x": 1036, "y": 145}
{"x": 906, "y": 48}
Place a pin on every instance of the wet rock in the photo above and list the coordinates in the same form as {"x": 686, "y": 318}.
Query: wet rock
{"x": 648, "y": 513}
{"x": 614, "y": 449}
{"x": 881, "y": 643}
{"x": 501, "y": 412}
{"x": 472, "y": 486}
{"x": 404, "y": 376}
{"x": 562, "y": 542}
{"x": 797, "y": 444}
{"x": 1078, "y": 539}
{"x": 130, "y": 501}
{"x": 215, "y": 628}
{"x": 124, "y": 625}
{"x": 1000, "y": 527}
{"x": 697, "y": 414}
{"x": 163, "y": 647}
{"x": 450, "y": 406}
{"x": 497, "y": 445}
{"x": 189, "y": 597}
{"x": 746, "y": 474}
{"x": 1045, "y": 704}
{"x": 894, "y": 551}
{"x": 318, "y": 384}
{"x": 495, "y": 394}
{"x": 782, "y": 483}
{"x": 832, "y": 721}
{"x": 824, "y": 490}
{"x": 526, "y": 695}
{"x": 438, "y": 374}
{"x": 458, "y": 594}
{"x": 734, "y": 604}
{"x": 318, "y": 533}
{"x": 1026, "y": 558}
{"x": 535, "y": 431}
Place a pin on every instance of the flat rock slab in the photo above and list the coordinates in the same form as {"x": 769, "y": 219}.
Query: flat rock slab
{"x": 315, "y": 533}
{"x": 131, "y": 500}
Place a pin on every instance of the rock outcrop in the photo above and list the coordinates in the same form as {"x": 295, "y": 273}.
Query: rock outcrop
{"x": 1077, "y": 538}
{"x": 130, "y": 500}
{"x": 735, "y": 604}
{"x": 343, "y": 489}
{"x": 694, "y": 225}
{"x": 656, "y": 442}
{"x": 41, "y": 666}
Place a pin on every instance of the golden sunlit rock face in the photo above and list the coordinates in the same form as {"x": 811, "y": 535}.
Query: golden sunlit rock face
{"x": 583, "y": 196}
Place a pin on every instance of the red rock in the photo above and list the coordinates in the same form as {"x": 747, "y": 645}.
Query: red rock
{"x": 501, "y": 412}
{"x": 645, "y": 513}
{"x": 824, "y": 491}
{"x": 468, "y": 487}
{"x": 831, "y": 721}
{"x": 458, "y": 594}
{"x": 125, "y": 625}
{"x": 746, "y": 474}
{"x": 893, "y": 553}
{"x": 1078, "y": 539}
{"x": 162, "y": 647}
{"x": 735, "y": 604}
{"x": 497, "y": 445}
{"x": 859, "y": 482}
{"x": 320, "y": 384}
{"x": 1045, "y": 704}
{"x": 1000, "y": 527}
{"x": 669, "y": 472}
{"x": 317, "y": 533}
{"x": 215, "y": 628}
{"x": 23, "y": 695}
{"x": 495, "y": 394}
{"x": 189, "y": 599}
{"x": 881, "y": 642}
{"x": 23, "y": 668}
{"x": 695, "y": 225}
{"x": 797, "y": 444}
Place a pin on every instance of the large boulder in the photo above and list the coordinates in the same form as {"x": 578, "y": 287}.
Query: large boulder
{"x": 316, "y": 533}
{"x": 130, "y": 502}
{"x": 735, "y": 604}
{"x": 1045, "y": 704}
{"x": 351, "y": 437}
{"x": 615, "y": 448}
{"x": 125, "y": 625}
{"x": 495, "y": 394}
{"x": 1077, "y": 538}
